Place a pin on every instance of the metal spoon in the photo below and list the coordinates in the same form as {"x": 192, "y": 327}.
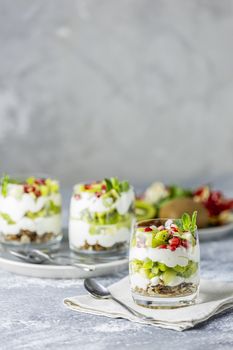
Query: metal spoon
{"x": 100, "y": 292}
{"x": 38, "y": 257}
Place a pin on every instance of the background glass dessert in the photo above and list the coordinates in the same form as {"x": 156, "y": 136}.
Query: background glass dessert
{"x": 30, "y": 211}
{"x": 164, "y": 262}
{"x": 101, "y": 216}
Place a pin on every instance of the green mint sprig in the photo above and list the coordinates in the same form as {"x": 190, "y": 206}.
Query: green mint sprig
{"x": 187, "y": 222}
{"x": 4, "y": 183}
{"x": 114, "y": 183}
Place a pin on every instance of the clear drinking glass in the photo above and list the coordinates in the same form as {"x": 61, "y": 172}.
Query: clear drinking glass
{"x": 30, "y": 211}
{"x": 164, "y": 264}
{"x": 101, "y": 217}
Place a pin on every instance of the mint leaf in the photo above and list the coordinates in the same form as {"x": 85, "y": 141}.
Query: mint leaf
{"x": 115, "y": 183}
{"x": 188, "y": 223}
{"x": 108, "y": 184}
{"x": 186, "y": 220}
{"x": 124, "y": 186}
{"x": 194, "y": 221}
{"x": 179, "y": 223}
{"x": 4, "y": 183}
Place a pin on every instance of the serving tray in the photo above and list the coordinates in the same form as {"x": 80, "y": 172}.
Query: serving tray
{"x": 11, "y": 264}
{"x": 206, "y": 234}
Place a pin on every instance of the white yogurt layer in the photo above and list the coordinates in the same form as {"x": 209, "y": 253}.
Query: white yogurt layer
{"x": 180, "y": 256}
{"x": 94, "y": 204}
{"x": 39, "y": 225}
{"x": 110, "y": 234}
{"x": 16, "y": 208}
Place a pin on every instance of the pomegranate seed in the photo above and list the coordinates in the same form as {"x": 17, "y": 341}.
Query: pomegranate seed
{"x": 98, "y": 194}
{"x": 175, "y": 241}
{"x": 174, "y": 228}
{"x": 163, "y": 246}
{"x": 172, "y": 247}
{"x": 148, "y": 229}
{"x": 87, "y": 187}
{"x": 199, "y": 191}
{"x": 185, "y": 244}
{"x": 77, "y": 196}
{"x": 40, "y": 181}
{"x": 104, "y": 187}
{"x": 37, "y": 193}
{"x": 28, "y": 188}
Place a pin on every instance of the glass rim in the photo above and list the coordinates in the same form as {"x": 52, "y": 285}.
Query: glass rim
{"x": 143, "y": 223}
{"x": 23, "y": 176}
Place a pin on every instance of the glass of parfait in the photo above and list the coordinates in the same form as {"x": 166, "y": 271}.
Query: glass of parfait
{"x": 101, "y": 216}
{"x": 30, "y": 211}
{"x": 164, "y": 262}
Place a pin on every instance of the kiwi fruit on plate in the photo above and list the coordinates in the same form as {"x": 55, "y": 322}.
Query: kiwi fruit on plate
{"x": 144, "y": 210}
{"x": 176, "y": 207}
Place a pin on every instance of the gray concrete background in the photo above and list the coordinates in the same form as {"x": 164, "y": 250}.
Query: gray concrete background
{"x": 141, "y": 89}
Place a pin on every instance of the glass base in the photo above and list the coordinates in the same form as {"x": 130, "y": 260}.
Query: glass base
{"x": 163, "y": 302}
{"x": 51, "y": 245}
{"x": 115, "y": 250}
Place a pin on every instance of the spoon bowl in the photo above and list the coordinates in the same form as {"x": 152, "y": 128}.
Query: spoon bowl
{"x": 96, "y": 289}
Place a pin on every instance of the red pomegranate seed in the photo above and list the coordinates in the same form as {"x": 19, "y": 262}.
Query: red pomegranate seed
{"x": 40, "y": 181}
{"x": 28, "y": 188}
{"x": 174, "y": 228}
{"x": 87, "y": 187}
{"x": 172, "y": 247}
{"x": 199, "y": 191}
{"x": 148, "y": 229}
{"x": 185, "y": 244}
{"x": 37, "y": 193}
{"x": 104, "y": 187}
{"x": 175, "y": 241}
{"x": 163, "y": 246}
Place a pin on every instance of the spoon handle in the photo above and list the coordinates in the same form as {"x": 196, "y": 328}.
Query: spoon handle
{"x": 85, "y": 267}
{"x": 134, "y": 312}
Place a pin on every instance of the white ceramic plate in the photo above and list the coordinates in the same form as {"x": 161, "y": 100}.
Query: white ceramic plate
{"x": 218, "y": 232}
{"x": 12, "y": 264}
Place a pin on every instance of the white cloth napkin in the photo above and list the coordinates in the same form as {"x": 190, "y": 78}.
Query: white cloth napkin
{"x": 214, "y": 298}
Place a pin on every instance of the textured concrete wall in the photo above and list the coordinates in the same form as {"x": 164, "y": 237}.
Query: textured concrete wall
{"x": 142, "y": 89}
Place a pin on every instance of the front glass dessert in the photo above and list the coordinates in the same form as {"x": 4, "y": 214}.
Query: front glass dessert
{"x": 101, "y": 216}
{"x": 30, "y": 211}
{"x": 164, "y": 262}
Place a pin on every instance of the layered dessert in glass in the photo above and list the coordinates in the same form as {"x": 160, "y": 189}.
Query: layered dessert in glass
{"x": 30, "y": 211}
{"x": 164, "y": 262}
{"x": 101, "y": 216}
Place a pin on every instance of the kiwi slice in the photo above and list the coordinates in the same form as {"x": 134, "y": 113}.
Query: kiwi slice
{"x": 176, "y": 207}
{"x": 144, "y": 210}
{"x": 168, "y": 276}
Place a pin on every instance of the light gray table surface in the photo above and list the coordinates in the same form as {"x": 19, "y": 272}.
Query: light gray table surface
{"x": 32, "y": 315}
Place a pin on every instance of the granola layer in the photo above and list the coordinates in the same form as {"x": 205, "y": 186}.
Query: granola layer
{"x": 26, "y": 236}
{"x": 183, "y": 289}
{"x": 97, "y": 247}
